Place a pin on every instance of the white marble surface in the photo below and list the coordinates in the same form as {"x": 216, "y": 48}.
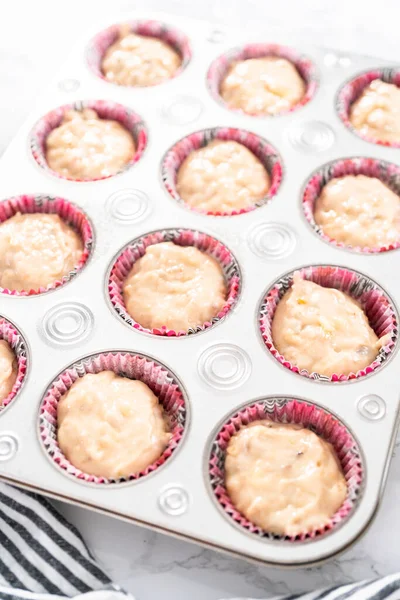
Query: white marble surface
{"x": 34, "y": 36}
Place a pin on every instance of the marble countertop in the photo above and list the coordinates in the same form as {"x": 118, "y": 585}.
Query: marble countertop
{"x": 34, "y": 37}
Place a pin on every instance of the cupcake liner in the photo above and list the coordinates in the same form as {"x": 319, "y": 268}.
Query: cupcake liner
{"x": 388, "y": 173}
{"x": 288, "y": 410}
{"x": 10, "y": 334}
{"x": 304, "y": 65}
{"x": 353, "y": 89}
{"x": 375, "y": 302}
{"x": 125, "y": 260}
{"x": 71, "y": 214}
{"x": 103, "y": 40}
{"x": 156, "y": 376}
{"x": 106, "y": 110}
{"x": 266, "y": 153}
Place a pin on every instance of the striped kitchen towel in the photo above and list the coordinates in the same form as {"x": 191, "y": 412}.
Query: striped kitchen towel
{"x": 44, "y": 557}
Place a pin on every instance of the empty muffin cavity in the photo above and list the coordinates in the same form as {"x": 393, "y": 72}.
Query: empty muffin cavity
{"x": 373, "y": 300}
{"x": 285, "y": 410}
{"x": 176, "y": 43}
{"x": 70, "y": 215}
{"x": 259, "y": 155}
{"x": 162, "y": 382}
{"x": 351, "y": 93}
{"x": 120, "y": 124}
{"x": 12, "y": 340}
{"x": 299, "y": 70}
{"x": 221, "y": 259}
{"x": 387, "y": 173}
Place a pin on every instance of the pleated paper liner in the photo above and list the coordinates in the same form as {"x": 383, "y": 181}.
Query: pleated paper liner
{"x": 262, "y": 149}
{"x": 304, "y": 66}
{"x": 103, "y": 40}
{"x": 162, "y": 382}
{"x": 352, "y": 90}
{"x": 105, "y": 110}
{"x": 124, "y": 261}
{"x": 15, "y": 340}
{"x": 386, "y": 172}
{"x": 377, "y": 305}
{"x": 68, "y": 212}
{"x": 287, "y": 410}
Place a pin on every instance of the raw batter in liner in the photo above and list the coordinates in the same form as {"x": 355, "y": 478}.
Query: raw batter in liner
{"x": 111, "y": 426}
{"x": 178, "y": 287}
{"x": 323, "y": 330}
{"x": 85, "y": 147}
{"x": 359, "y": 211}
{"x": 283, "y": 478}
{"x": 258, "y": 86}
{"x": 222, "y": 177}
{"x": 137, "y": 60}
{"x": 376, "y": 113}
{"x": 8, "y": 370}
{"x": 36, "y": 250}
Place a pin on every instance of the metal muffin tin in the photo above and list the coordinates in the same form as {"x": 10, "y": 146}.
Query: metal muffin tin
{"x": 224, "y": 366}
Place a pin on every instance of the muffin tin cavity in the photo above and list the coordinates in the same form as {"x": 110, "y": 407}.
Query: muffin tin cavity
{"x": 68, "y": 212}
{"x": 171, "y": 36}
{"x": 386, "y": 172}
{"x": 17, "y": 343}
{"x": 105, "y": 109}
{"x": 285, "y": 410}
{"x": 125, "y": 259}
{"x": 352, "y": 90}
{"x": 304, "y": 66}
{"x": 378, "y": 307}
{"x": 162, "y": 382}
{"x": 262, "y": 149}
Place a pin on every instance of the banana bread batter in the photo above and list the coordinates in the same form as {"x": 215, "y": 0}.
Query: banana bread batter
{"x": 258, "y": 86}
{"x": 111, "y": 426}
{"x": 85, "y": 147}
{"x": 8, "y": 370}
{"x": 284, "y": 478}
{"x": 178, "y": 287}
{"x": 222, "y": 177}
{"x": 376, "y": 113}
{"x": 36, "y": 250}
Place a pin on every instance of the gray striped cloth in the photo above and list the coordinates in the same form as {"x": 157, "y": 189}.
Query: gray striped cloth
{"x": 44, "y": 557}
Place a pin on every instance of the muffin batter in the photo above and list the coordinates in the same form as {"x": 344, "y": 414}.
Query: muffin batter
{"x": 258, "y": 86}
{"x": 323, "y": 330}
{"x": 223, "y": 176}
{"x": 8, "y": 370}
{"x": 139, "y": 60}
{"x": 85, "y": 146}
{"x": 36, "y": 250}
{"x": 111, "y": 426}
{"x": 283, "y": 478}
{"x": 359, "y": 211}
{"x": 173, "y": 286}
{"x": 376, "y": 113}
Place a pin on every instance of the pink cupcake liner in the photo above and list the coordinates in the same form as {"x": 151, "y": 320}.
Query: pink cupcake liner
{"x": 304, "y": 65}
{"x": 353, "y": 89}
{"x": 103, "y": 40}
{"x": 288, "y": 410}
{"x": 125, "y": 260}
{"x": 388, "y": 173}
{"x": 266, "y": 153}
{"x": 15, "y": 340}
{"x": 106, "y": 110}
{"x": 71, "y": 214}
{"x": 155, "y": 375}
{"x": 374, "y": 300}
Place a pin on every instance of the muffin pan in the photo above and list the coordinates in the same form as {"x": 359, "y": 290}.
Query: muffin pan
{"x": 212, "y": 379}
